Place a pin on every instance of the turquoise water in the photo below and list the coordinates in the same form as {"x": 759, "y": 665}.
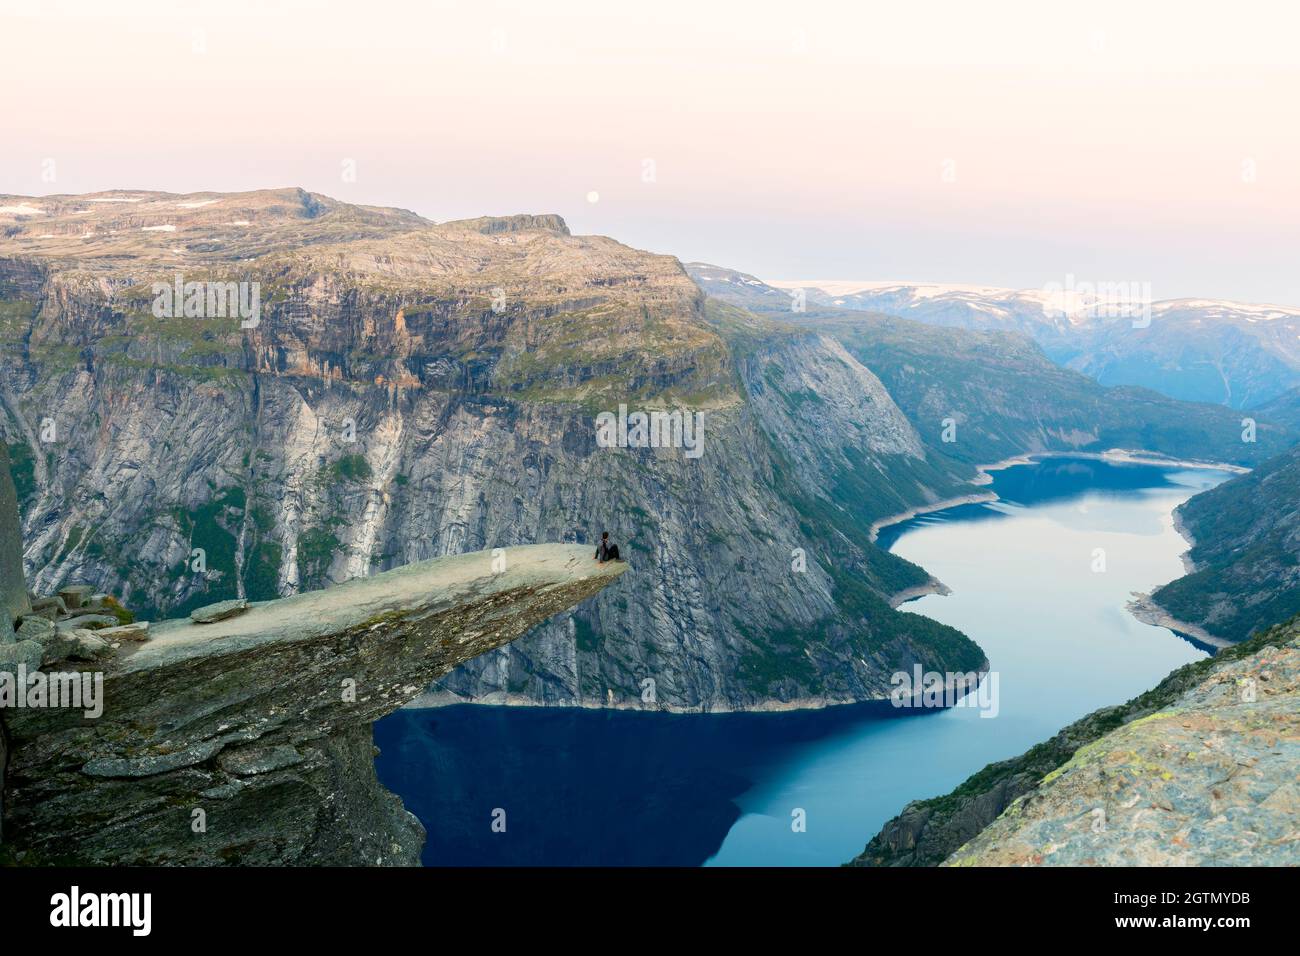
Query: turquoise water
{"x": 1039, "y": 579}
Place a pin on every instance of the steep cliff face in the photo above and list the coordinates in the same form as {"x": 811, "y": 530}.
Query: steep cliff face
{"x": 13, "y": 586}
{"x": 415, "y": 390}
{"x": 13, "y": 590}
{"x": 762, "y": 586}
{"x": 1199, "y": 770}
{"x": 248, "y": 740}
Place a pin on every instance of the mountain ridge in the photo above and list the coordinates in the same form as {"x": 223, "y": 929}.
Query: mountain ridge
{"x": 1195, "y": 349}
{"x": 415, "y": 390}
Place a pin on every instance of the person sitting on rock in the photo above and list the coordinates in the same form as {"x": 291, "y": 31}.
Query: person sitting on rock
{"x": 606, "y": 551}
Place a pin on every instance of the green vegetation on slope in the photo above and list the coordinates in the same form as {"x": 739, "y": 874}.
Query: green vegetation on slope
{"x": 1283, "y": 410}
{"x": 1247, "y": 552}
{"x": 1006, "y": 397}
{"x": 838, "y": 528}
{"x": 23, "y": 468}
{"x": 212, "y": 526}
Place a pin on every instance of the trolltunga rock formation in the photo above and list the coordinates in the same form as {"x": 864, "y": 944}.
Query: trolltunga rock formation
{"x": 248, "y": 740}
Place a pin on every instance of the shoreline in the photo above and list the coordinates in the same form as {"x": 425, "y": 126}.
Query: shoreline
{"x": 428, "y": 701}
{"x": 910, "y": 513}
{"x": 884, "y": 705}
{"x": 1144, "y": 608}
{"x": 982, "y": 477}
{"x": 1141, "y": 607}
{"x": 1189, "y": 566}
{"x": 933, "y": 586}
{"x": 1127, "y": 456}
{"x": 1132, "y": 456}
{"x": 1147, "y": 611}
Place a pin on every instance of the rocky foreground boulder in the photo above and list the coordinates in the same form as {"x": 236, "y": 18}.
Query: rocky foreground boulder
{"x": 248, "y": 740}
{"x": 1199, "y": 771}
{"x": 1209, "y": 781}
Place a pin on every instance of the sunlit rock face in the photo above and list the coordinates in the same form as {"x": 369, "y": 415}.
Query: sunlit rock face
{"x": 413, "y": 390}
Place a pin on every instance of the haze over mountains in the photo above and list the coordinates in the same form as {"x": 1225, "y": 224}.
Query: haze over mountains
{"x": 1230, "y": 353}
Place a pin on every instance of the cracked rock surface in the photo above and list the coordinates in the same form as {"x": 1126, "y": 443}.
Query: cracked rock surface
{"x": 248, "y": 740}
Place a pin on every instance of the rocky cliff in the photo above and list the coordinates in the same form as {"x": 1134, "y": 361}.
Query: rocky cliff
{"x": 413, "y": 390}
{"x": 1200, "y": 770}
{"x": 1209, "y": 780}
{"x": 247, "y": 740}
{"x": 13, "y": 586}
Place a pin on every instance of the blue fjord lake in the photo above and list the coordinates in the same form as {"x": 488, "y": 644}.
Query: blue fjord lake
{"x": 627, "y": 788}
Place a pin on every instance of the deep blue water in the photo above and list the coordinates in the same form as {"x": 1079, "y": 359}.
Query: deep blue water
{"x": 1040, "y": 579}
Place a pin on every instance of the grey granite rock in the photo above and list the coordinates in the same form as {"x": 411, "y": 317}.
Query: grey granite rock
{"x": 135, "y": 631}
{"x": 262, "y": 721}
{"x": 89, "y": 621}
{"x": 51, "y": 608}
{"x": 20, "y": 652}
{"x": 89, "y": 646}
{"x": 37, "y": 628}
{"x": 63, "y": 646}
{"x": 1208, "y": 781}
{"x": 75, "y": 595}
{"x": 249, "y": 761}
{"x": 211, "y": 613}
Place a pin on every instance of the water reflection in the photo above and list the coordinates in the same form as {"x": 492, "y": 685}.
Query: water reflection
{"x": 609, "y": 787}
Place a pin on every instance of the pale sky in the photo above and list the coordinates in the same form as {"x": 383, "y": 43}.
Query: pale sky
{"x": 1001, "y": 143}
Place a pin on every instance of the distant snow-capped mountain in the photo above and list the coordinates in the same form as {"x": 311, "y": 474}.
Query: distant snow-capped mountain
{"x": 746, "y": 290}
{"x": 1211, "y": 350}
